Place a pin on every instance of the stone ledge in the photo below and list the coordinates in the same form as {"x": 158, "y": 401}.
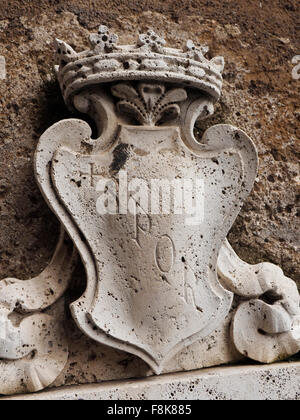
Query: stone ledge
{"x": 280, "y": 381}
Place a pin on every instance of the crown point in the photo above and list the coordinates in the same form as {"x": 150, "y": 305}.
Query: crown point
{"x": 218, "y": 63}
{"x": 151, "y": 41}
{"x": 65, "y": 53}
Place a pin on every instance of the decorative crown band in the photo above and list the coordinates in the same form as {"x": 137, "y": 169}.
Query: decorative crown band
{"x": 148, "y": 59}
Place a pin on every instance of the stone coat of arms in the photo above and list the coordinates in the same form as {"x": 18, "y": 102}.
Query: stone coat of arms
{"x": 148, "y": 207}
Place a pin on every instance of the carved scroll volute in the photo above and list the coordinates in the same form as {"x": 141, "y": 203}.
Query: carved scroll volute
{"x": 34, "y": 348}
{"x": 99, "y": 105}
{"x": 266, "y": 324}
{"x": 147, "y": 104}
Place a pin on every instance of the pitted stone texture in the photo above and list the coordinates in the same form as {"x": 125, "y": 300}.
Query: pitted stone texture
{"x": 132, "y": 302}
{"x": 126, "y": 305}
{"x": 41, "y": 356}
{"x": 92, "y": 362}
{"x": 33, "y": 345}
{"x": 276, "y": 382}
{"x": 131, "y": 296}
{"x": 267, "y": 227}
{"x": 267, "y": 327}
{"x": 152, "y": 303}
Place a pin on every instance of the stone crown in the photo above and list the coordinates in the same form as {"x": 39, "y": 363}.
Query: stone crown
{"x": 148, "y": 59}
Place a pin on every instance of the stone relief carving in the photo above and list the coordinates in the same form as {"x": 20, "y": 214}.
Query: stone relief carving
{"x": 266, "y": 325}
{"x": 33, "y": 346}
{"x": 149, "y": 103}
{"x": 158, "y": 278}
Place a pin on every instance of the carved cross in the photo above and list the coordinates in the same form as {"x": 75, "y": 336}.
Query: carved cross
{"x": 92, "y": 175}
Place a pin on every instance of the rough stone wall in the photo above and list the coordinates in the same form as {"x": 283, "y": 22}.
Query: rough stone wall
{"x": 258, "y": 40}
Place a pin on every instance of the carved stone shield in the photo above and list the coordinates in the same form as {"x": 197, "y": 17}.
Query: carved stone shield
{"x": 148, "y": 205}
{"x": 152, "y": 285}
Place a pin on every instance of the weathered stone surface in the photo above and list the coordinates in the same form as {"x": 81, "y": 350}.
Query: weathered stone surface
{"x": 252, "y": 99}
{"x": 275, "y": 382}
{"x": 267, "y": 327}
{"x": 150, "y": 255}
{"x": 257, "y": 83}
{"x": 33, "y": 345}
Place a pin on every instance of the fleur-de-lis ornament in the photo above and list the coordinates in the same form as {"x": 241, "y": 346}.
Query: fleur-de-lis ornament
{"x": 149, "y": 103}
